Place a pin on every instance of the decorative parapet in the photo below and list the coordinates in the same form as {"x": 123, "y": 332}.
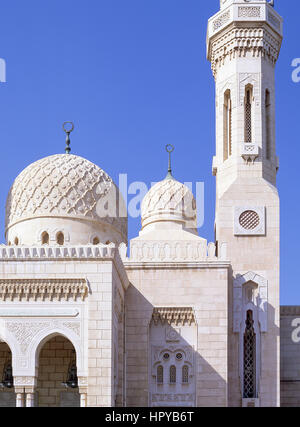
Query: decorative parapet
{"x": 44, "y": 289}
{"x": 68, "y": 253}
{"x": 173, "y": 315}
{"x": 249, "y": 151}
{"x": 175, "y": 251}
{"x": 57, "y": 252}
{"x": 242, "y": 28}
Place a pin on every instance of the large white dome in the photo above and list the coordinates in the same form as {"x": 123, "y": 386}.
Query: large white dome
{"x": 69, "y": 189}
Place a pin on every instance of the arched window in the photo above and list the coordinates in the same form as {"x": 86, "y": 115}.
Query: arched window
{"x": 268, "y": 124}
{"x": 249, "y": 358}
{"x": 227, "y": 135}
{"x": 45, "y": 238}
{"x": 60, "y": 238}
{"x": 16, "y": 241}
{"x": 185, "y": 374}
{"x": 248, "y": 113}
{"x": 96, "y": 241}
{"x": 160, "y": 375}
{"x": 172, "y": 374}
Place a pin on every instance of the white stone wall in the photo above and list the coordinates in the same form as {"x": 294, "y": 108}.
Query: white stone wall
{"x": 199, "y": 286}
{"x": 27, "y": 320}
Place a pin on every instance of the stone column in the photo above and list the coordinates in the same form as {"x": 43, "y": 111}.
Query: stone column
{"x": 83, "y": 397}
{"x": 19, "y": 397}
{"x": 29, "y": 392}
{"x": 83, "y": 389}
{"x": 25, "y": 385}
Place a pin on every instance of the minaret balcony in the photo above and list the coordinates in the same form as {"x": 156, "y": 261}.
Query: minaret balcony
{"x": 249, "y": 151}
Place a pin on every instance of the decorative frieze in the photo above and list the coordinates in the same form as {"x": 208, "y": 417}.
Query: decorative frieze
{"x": 173, "y": 315}
{"x": 249, "y": 151}
{"x": 249, "y": 12}
{"x": 25, "y": 332}
{"x": 221, "y": 20}
{"x": 44, "y": 289}
{"x": 274, "y": 21}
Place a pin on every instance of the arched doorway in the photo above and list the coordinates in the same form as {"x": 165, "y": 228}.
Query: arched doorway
{"x": 7, "y": 391}
{"x": 57, "y": 384}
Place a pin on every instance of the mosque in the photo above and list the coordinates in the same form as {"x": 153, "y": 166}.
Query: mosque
{"x": 168, "y": 319}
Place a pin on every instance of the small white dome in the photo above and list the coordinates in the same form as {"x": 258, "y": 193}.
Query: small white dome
{"x": 169, "y": 201}
{"x": 64, "y": 188}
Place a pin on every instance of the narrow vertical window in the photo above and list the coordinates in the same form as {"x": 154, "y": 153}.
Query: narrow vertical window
{"x": 248, "y": 114}
{"x": 227, "y": 132}
{"x": 185, "y": 374}
{"x": 60, "y": 239}
{"x": 160, "y": 375}
{"x": 172, "y": 374}
{"x": 268, "y": 125}
{"x": 96, "y": 241}
{"x": 45, "y": 238}
{"x": 249, "y": 358}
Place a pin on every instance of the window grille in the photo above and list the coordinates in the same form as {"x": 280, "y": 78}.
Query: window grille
{"x": 172, "y": 374}
{"x": 268, "y": 125}
{"x": 227, "y": 125}
{"x": 185, "y": 374}
{"x": 249, "y": 358}
{"x": 160, "y": 375}
{"x": 248, "y": 116}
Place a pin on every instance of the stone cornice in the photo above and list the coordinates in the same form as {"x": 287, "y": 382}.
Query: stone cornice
{"x": 173, "y": 315}
{"x": 290, "y": 310}
{"x": 176, "y": 265}
{"x": 44, "y": 289}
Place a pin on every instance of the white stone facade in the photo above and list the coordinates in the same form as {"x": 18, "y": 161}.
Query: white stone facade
{"x": 170, "y": 320}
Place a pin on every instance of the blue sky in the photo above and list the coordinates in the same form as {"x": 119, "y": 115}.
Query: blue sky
{"x": 133, "y": 76}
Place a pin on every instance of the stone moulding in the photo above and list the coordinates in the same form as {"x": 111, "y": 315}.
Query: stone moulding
{"x": 36, "y": 312}
{"x": 44, "y": 289}
{"x": 173, "y": 315}
{"x": 290, "y": 310}
{"x": 261, "y": 300}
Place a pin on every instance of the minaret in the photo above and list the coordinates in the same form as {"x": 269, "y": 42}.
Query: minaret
{"x": 243, "y": 44}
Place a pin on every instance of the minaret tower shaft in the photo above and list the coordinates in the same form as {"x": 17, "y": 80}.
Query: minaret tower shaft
{"x": 243, "y": 44}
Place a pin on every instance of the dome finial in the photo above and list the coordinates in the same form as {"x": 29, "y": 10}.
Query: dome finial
{"x": 169, "y": 148}
{"x": 68, "y": 131}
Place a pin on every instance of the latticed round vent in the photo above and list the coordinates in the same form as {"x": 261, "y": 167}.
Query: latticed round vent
{"x": 249, "y": 220}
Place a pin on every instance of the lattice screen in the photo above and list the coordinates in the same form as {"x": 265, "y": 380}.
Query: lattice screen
{"x": 249, "y": 358}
